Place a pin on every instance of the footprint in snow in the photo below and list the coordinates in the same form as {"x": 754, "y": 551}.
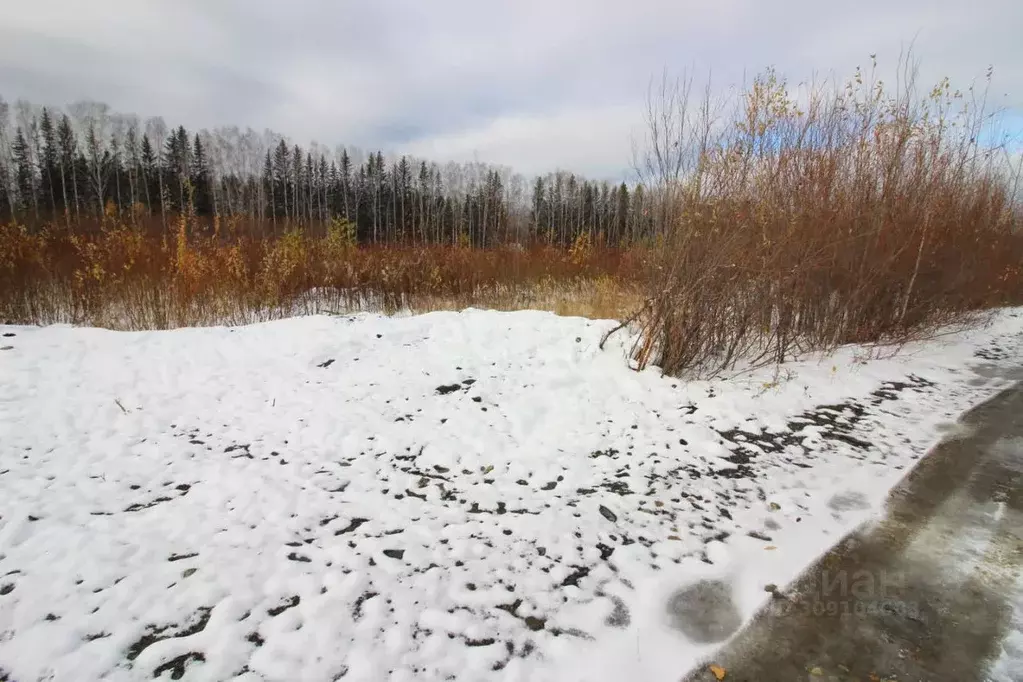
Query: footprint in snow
{"x": 704, "y": 612}
{"x": 849, "y": 500}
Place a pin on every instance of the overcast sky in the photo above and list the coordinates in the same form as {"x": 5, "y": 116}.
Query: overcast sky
{"x": 533, "y": 84}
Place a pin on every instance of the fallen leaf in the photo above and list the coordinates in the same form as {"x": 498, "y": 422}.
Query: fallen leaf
{"x": 770, "y": 547}
{"x": 774, "y": 506}
{"x": 719, "y": 672}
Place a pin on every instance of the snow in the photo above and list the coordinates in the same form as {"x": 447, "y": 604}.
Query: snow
{"x": 1008, "y": 666}
{"x": 469, "y": 496}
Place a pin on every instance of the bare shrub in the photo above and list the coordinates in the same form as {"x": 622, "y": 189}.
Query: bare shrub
{"x": 814, "y": 217}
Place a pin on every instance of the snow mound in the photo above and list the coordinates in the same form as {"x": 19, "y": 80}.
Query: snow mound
{"x": 471, "y": 496}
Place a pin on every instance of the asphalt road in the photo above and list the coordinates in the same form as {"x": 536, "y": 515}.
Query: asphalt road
{"x": 924, "y": 595}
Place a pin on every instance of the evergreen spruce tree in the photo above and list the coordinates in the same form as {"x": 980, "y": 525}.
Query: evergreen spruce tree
{"x": 49, "y": 176}
{"x": 200, "y": 179}
{"x": 24, "y": 174}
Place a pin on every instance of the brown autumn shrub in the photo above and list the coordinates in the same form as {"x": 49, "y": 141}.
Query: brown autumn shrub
{"x": 804, "y": 220}
{"x": 122, "y": 277}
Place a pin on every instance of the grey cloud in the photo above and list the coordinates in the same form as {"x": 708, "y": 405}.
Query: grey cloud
{"x": 534, "y": 83}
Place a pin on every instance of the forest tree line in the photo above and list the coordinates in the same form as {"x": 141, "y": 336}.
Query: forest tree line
{"x": 86, "y": 165}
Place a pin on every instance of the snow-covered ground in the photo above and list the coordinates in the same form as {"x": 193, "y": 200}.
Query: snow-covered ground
{"x": 465, "y": 496}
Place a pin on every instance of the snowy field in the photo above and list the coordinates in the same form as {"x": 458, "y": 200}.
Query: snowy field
{"x": 452, "y": 496}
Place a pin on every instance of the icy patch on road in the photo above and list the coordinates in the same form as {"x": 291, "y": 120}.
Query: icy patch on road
{"x": 469, "y": 496}
{"x": 1008, "y": 666}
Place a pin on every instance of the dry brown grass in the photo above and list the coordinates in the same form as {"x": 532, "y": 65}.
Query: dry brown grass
{"x": 601, "y": 298}
{"x": 122, "y": 278}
